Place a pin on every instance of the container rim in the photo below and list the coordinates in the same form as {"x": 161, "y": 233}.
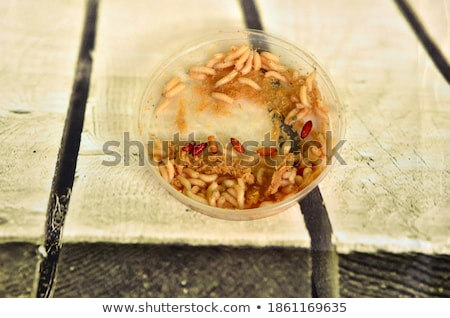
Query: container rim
{"x": 229, "y": 35}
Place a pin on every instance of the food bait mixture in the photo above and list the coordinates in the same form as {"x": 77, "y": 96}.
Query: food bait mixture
{"x": 241, "y": 131}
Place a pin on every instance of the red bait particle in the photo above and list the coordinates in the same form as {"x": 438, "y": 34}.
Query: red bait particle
{"x": 188, "y": 147}
{"x": 306, "y": 129}
{"x": 237, "y": 145}
{"x": 196, "y": 150}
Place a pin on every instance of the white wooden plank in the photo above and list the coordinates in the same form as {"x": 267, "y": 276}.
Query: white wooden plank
{"x": 126, "y": 204}
{"x": 39, "y": 44}
{"x": 393, "y": 193}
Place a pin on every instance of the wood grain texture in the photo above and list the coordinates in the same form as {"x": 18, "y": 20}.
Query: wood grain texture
{"x": 39, "y": 44}
{"x": 392, "y": 193}
{"x": 185, "y": 271}
{"x": 394, "y": 275}
{"x": 156, "y": 271}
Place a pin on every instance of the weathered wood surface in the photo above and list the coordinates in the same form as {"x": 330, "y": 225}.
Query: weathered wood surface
{"x": 145, "y": 270}
{"x": 39, "y": 44}
{"x": 392, "y": 193}
{"x": 392, "y": 275}
{"x": 217, "y": 271}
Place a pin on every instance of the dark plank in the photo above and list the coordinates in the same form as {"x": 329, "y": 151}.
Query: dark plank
{"x": 129, "y": 270}
{"x": 112, "y": 270}
{"x": 17, "y": 268}
{"x": 394, "y": 275}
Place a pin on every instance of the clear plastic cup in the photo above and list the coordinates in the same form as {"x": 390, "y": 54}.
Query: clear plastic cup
{"x": 198, "y": 53}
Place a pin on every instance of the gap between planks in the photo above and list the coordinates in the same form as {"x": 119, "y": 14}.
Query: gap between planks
{"x": 67, "y": 159}
{"x": 425, "y": 39}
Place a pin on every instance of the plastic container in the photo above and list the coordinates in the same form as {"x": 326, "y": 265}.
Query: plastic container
{"x": 197, "y": 54}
